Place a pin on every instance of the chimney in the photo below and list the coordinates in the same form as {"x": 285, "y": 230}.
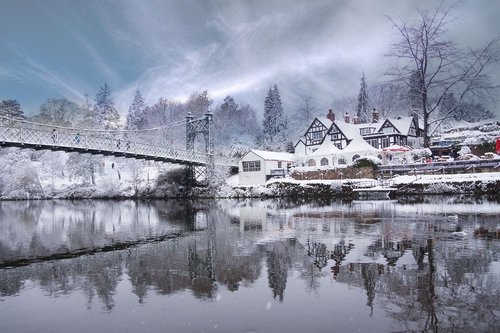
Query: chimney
{"x": 331, "y": 115}
{"x": 375, "y": 116}
{"x": 355, "y": 120}
{"x": 346, "y": 117}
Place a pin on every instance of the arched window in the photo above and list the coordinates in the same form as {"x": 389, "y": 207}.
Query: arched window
{"x": 355, "y": 157}
{"x": 380, "y": 157}
{"x": 311, "y": 162}
{"x": 324, "y": 161}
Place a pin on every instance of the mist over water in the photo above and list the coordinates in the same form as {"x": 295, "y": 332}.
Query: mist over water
{"x": 249, "y": 266}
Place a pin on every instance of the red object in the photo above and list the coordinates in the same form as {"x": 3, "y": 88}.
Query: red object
{"x": 498, "y": 145}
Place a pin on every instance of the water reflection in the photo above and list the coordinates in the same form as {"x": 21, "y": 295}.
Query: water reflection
{"x": 404, "y": 259}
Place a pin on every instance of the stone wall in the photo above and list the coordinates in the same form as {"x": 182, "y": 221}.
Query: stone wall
{"x": 338, "y": 173}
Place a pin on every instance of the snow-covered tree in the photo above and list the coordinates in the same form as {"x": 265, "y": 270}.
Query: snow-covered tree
{"x": 58, "y": 111}
{"x": 363, "y": 108}
{"x": 10, "y": 108}
{"x": 19, "y": 179}
{"x": 88, "y": 115}
{"x": 275, "y": 123}
{"x": 235, "y": 125}
{"x": 105, "y": 111}
{"x": 84, "y": 167}
{"x": 198, "y": 104}
{"x": 136, "y": 113}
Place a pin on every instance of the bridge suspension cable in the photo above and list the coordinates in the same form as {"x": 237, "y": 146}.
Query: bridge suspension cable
{"x": 102, "y": 131}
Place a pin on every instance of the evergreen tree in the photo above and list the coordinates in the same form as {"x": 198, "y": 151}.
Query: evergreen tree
{"x": 105, "y": 111}
{"x": 275, "y": 123}
{"x": 363, "y": 108}
{"x": 136, "y": 113}
{"x": 10, "y": 108}
{"x": 229, "y": 109}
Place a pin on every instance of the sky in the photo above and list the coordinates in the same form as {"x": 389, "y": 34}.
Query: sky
{"x": 170, "y": 49}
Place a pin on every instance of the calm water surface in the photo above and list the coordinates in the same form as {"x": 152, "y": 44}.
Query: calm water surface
{"x": 249, "y": 266}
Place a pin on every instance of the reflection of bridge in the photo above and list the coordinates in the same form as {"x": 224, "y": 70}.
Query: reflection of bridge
{"x": 23, "y": 134}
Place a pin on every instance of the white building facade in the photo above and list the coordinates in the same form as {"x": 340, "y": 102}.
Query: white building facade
{"x": 258, "y": 166}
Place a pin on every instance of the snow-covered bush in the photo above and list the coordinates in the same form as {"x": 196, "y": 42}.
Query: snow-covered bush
{"x": 417, "y": 154}
{"x": 367, "y": 161}
{"x": 23, "y": 184}
{"x": 464, "y": 151}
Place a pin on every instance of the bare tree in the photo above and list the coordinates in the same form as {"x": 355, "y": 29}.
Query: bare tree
{"x": 431, "y": 65}
{"x": 304, "y": 115}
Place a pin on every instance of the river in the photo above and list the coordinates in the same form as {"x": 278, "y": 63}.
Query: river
{"x": 250, "y": 266}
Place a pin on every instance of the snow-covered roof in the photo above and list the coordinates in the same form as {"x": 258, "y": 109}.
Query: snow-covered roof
{"x": 326, "y": 149}
{"x": 273, "y": 155}
{"x": 358, "y": 144}
{"x": 350, "y": 130}
{"x": 402, "y": 124}
{"x": 301, "y": 139}
{"x": 325, "y": 121}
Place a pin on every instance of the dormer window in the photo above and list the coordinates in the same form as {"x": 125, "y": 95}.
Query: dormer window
{"x": 388, "y": 130}
{"x": 366, "y": 130}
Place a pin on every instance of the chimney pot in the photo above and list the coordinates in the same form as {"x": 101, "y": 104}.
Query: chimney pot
{"x": 331, "y": 115}
{"x": 346, "y": 117}
{"x": 375, "y": 116}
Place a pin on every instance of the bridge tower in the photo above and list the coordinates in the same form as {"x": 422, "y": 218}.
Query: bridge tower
{"x": 194, "y": 127}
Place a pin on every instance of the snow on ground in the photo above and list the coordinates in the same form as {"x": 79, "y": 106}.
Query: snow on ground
{"x": 397, "y": 180}
{"x": 430, "y": 179}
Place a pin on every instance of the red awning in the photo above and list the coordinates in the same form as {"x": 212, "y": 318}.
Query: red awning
{"x": 396, "y": 149}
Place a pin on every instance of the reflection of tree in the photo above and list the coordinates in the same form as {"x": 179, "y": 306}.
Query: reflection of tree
{"x": 340, "y": 250}
{"x": 318, "y": 252}
{"x": 369, "y": 274}
{"x": 278, "y": 263}
{"x": 389, "y": 249}
{"x": 448, "y": 290}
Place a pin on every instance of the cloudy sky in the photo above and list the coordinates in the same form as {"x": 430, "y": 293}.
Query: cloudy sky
{"x": 171, "y": 48}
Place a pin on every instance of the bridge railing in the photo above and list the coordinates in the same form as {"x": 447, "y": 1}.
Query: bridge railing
{"x": 55, "y": 139}
{"x": 19, "y": 132}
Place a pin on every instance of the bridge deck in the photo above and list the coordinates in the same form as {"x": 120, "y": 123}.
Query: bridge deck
{"x": 46, "y": 139}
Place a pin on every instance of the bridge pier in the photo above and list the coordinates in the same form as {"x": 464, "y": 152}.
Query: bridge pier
{"x": 193, "y": 129}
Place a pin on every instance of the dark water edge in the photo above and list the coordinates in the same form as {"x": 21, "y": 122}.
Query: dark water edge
{"x": 314, "y": 191}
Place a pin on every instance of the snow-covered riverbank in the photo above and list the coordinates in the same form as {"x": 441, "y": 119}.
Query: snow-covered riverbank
{"x": 475, "y": 183}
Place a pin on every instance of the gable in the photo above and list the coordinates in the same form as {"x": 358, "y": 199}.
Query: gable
{"x": 339, "y": 132}
{"x": 388, "y": 128}
{"x": 315, "y": 133}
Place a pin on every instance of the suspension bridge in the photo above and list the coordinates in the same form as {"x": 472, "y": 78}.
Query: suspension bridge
{"x": 118, "y": 143}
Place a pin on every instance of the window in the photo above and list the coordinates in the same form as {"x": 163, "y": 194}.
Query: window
{"x": 324, "y": 161}
{"x": 355, "y": 157}
{"x": 385, "y": 142}
{"x": 366, "y": 130}
{"x": 316, "y": 136}
{"x": 388, "y": 130}
{"x": 373, "y": 142}
{"x": 279, "y": 164}
{"x": 311, "y": 162}
{"x": 334, "y": 136}
{"x": 249, "y": 166}
{"x": 342, "y": 160}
